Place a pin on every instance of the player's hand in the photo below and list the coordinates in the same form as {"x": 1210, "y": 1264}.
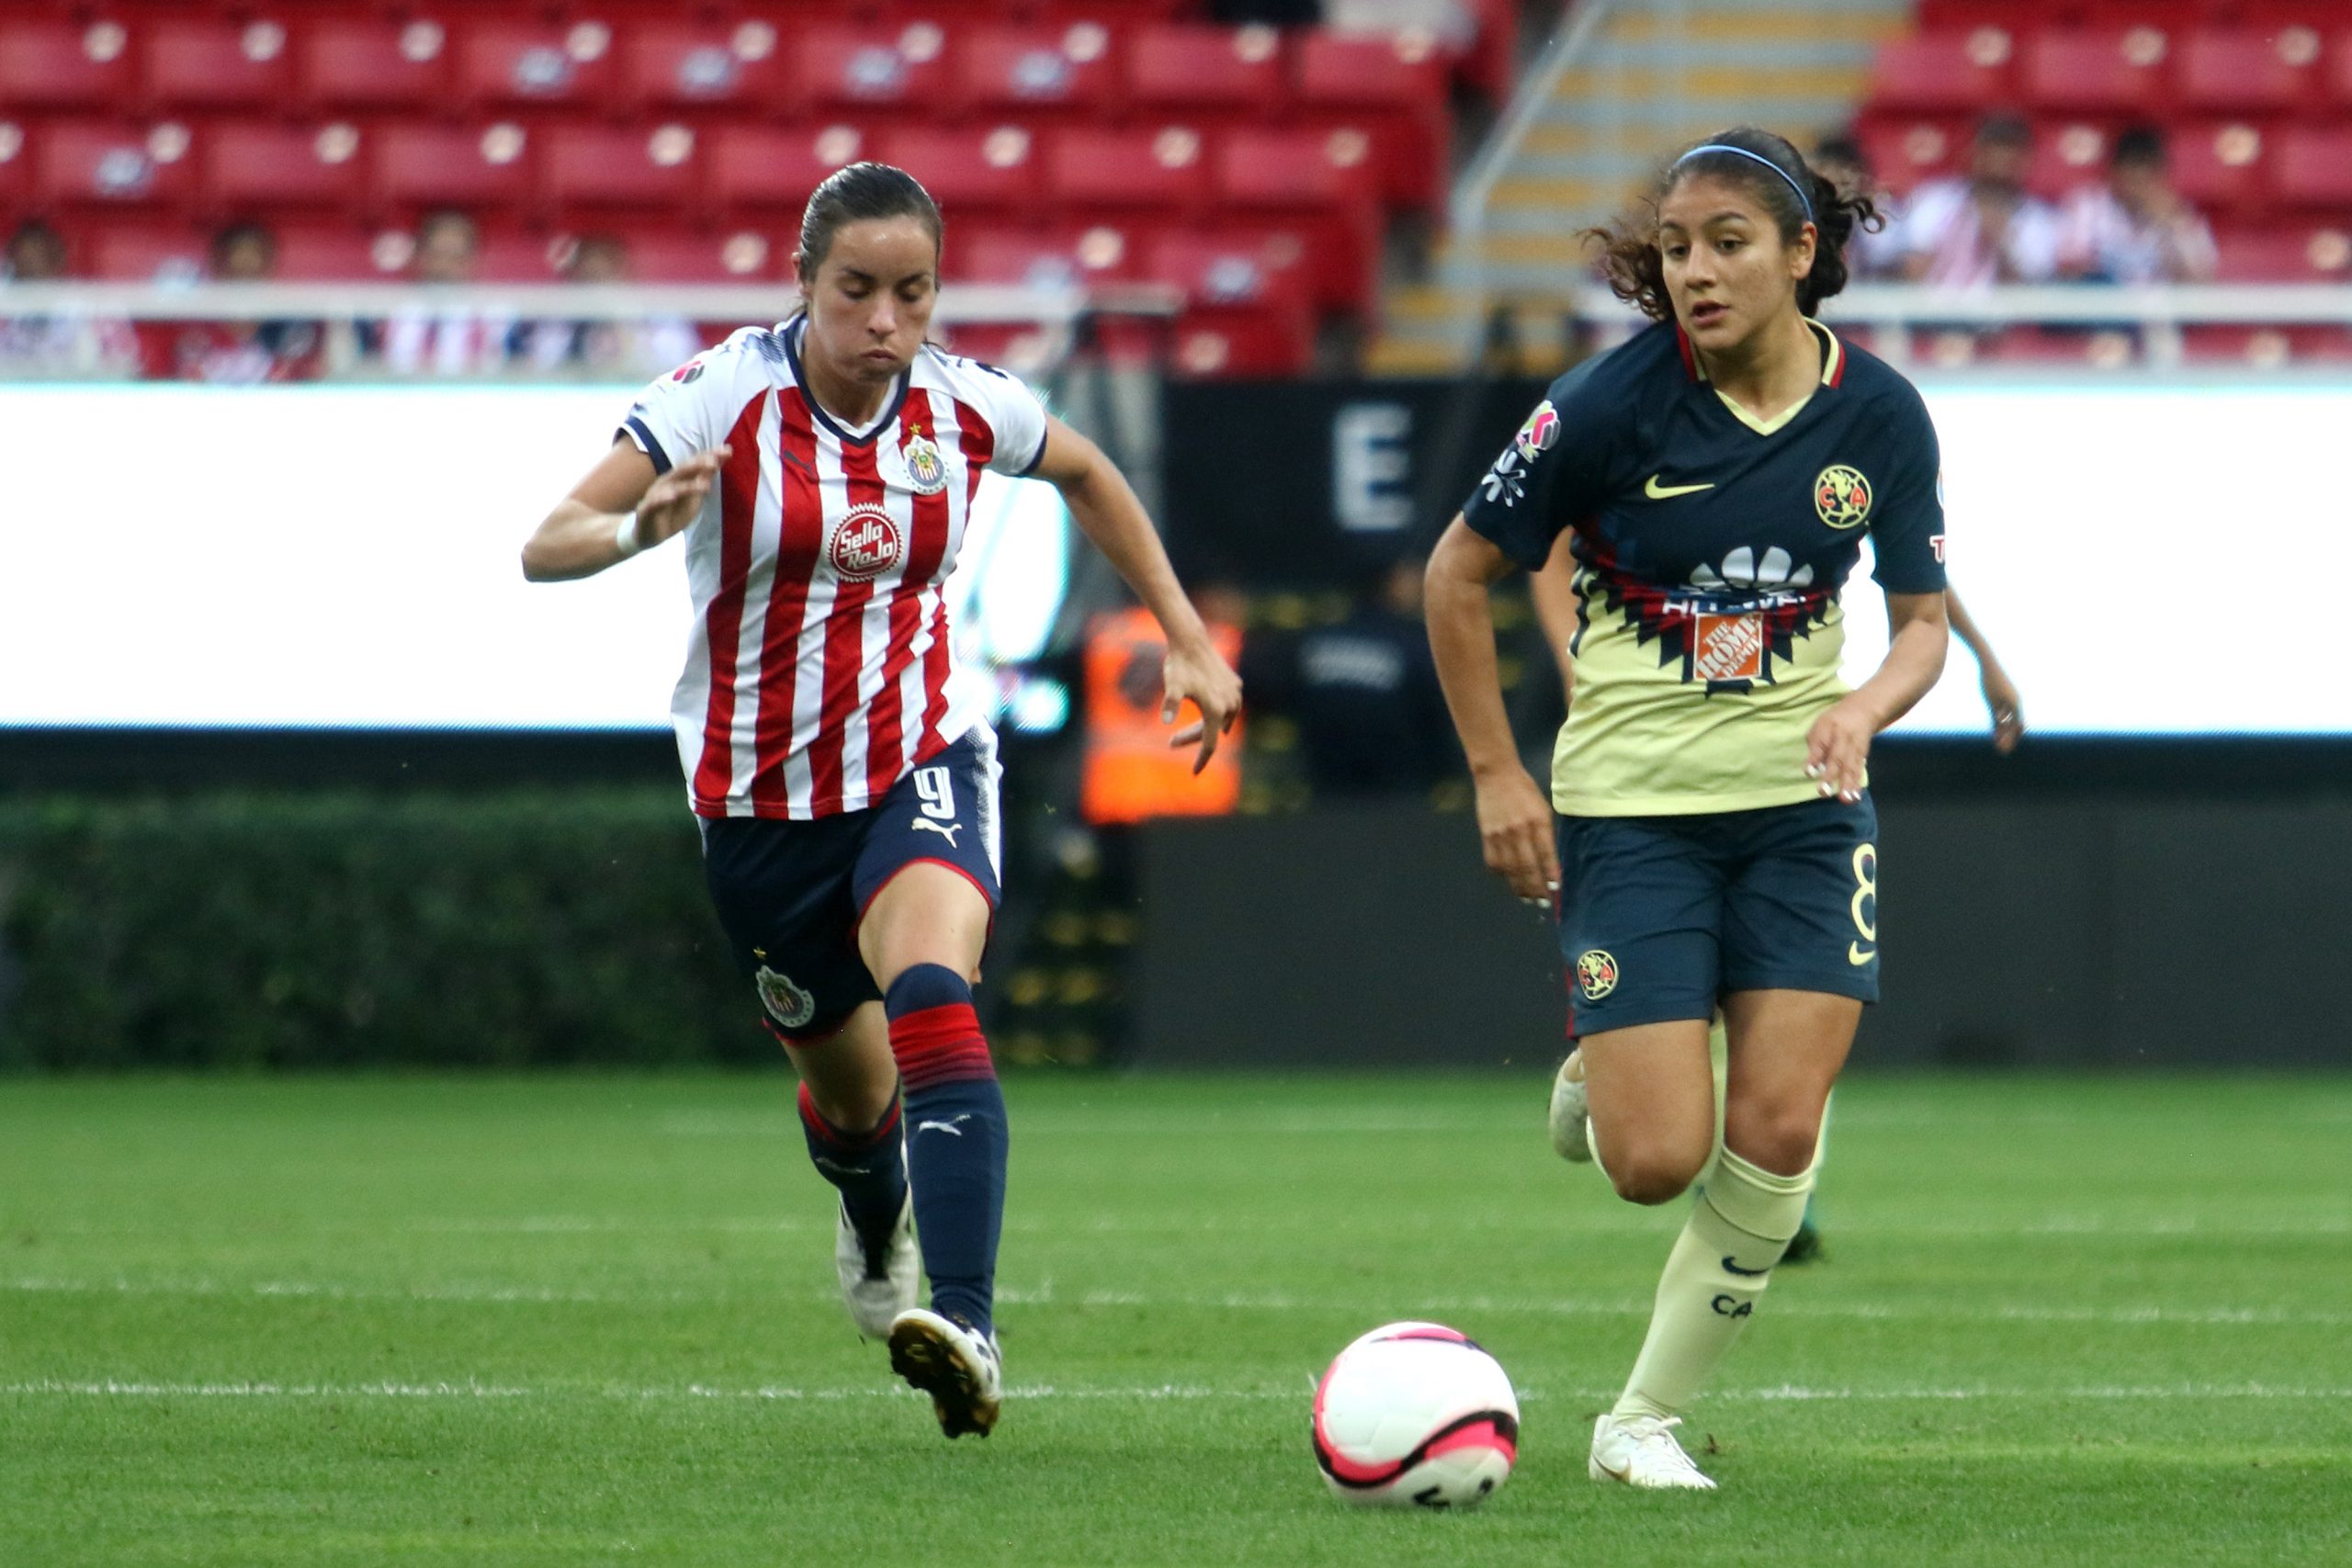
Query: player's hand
{"x": 1838, "y": 751}
{"x": 1199, "y": 675}
{"x": 674, "y": 500}
{"x": 2007, "y": 709}
{"x": 1515, "y": 830}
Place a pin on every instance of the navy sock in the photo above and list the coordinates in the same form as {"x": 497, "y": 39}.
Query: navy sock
{"x": 867, "y": 1167}
{"x": 956, "y": 1138}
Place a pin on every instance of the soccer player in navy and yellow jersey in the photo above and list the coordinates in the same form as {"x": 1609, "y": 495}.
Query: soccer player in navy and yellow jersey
{"x": 1709, "y": 838}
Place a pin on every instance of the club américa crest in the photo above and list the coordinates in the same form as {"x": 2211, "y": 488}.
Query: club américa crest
{"x": 926, "y": 469}
{"x": 789, "y": 1005}
{"x": 1842, "y": 496}
{"x": 1596, "y": 975}
{"x": 866, "y": 543}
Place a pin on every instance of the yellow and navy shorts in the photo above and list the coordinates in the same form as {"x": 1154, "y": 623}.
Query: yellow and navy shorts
{"x": 1661, "y": 917}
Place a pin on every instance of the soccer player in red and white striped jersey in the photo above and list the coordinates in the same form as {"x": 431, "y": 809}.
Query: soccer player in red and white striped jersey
{"x": 821, "y": 473}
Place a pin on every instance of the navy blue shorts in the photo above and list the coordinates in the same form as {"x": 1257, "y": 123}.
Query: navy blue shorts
{"x": 790, "y": 895}
{"x": 1662, "y": 916}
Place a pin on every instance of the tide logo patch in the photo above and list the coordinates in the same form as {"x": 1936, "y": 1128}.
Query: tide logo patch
{"x": 1596, "y": 975}
{"x": 865, "y": 544}
{"x": 1728, "y": 647}
{"x": 791, "y": 1005}
{"x": 1842, "y": 496}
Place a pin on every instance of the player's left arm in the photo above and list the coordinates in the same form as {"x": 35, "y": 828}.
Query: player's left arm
{"x": 1108, "y": 512}
{"x": 2000, "y": 692}
{"x": 1838, "y": 748}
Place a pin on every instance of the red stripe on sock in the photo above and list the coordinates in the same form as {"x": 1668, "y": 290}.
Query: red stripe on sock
{"x": 832, "y": 1134}
{"x": 941, "y": 1044}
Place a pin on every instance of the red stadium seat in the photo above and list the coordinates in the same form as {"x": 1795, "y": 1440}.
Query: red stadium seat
{"x": 347, "y": 63}
{"x": 65, "y": 65}
{"x": 2106, "y": 71}
{"x": 147, "y": 253}
{"x": 1162, "y": 168}
{"x": 664, "y": 254}
{"x": 2299, "y": 255}
{"x": 1327, "y": 185}
{"x": 671, "y": 67}
{"x": 972, "y": 169}
{"x": 1946, "y": 73}
{"x": 1047, "y": 257}
{"x": 15, "y": 166}
{"x": 2339, "y": 89}
{"x": 2066, "y": 157}
{"x": 1395, "y": 87}
{"x": 1905, "y": 152}
{"x": 1034, "y": 68}
{"x": 2313, "y": 168}
{"x": 250, "y": 165}
{"x": 1234, "y": 269}
{"x": 1236, "y": 69}
{"x": 329, "y": 252}
{"x": 2247, "y": 69}
{"x": 1212, "y": 341}
{"x": 859, "y": 68}
{"x": 112, "y": 163}
{"x": 604, "y": 166}
{"x": 220, "y": 63}
{"x": 433, "y": 165}
{"x": 506, "y": 63}
{"x": 2218, "y": 164}
{"x": 776, "y": 167}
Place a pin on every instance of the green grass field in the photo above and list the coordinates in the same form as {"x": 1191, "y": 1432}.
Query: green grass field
{"x": 589, "y": 1320}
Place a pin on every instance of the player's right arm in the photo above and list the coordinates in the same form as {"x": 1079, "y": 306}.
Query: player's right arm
{"x": 1514, "y": 814}
{"x": 1554, "y": 589}
{"x": 622, "y": 507}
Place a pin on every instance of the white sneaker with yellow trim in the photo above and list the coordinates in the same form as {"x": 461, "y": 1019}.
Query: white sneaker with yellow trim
{"x": 1570, "y": 1113}
{"x": 1640, "y": 1450}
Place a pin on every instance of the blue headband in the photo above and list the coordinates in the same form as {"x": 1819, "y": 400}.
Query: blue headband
{"x": 1803, "y": 200}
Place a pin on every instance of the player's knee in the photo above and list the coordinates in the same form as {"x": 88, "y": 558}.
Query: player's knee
{"x": 1780, "y": 1139}
{"x": 1657, "y": 1174}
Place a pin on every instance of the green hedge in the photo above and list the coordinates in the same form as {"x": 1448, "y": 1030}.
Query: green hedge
{"x": 311, "y": 929}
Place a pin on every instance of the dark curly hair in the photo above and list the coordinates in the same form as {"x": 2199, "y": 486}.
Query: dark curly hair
{"x": 1630, "y": 257}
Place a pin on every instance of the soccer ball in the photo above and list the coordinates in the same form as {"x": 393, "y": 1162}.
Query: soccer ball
{"x": 1415, "y": 1414}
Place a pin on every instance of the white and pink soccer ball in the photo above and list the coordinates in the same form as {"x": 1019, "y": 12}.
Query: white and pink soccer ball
{"x": 1416, "y": 1415}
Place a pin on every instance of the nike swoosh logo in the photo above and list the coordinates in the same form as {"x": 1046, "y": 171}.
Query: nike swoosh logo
{"x": 1731, "y": 1268}
{"x": 1657, "y": 492}
{"x": 1855, "y": 956}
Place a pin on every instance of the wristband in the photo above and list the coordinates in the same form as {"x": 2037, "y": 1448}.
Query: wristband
{"x": 626, "y": 536}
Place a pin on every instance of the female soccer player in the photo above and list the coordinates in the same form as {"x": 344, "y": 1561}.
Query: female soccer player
{"x": 1714, "y": 835}
{"x": 844, "y": 770}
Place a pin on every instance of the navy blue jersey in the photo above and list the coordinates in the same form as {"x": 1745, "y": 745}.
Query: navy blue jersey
{"x": 1709, "y": 549}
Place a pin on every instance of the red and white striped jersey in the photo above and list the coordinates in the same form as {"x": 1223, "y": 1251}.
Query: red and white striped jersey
{"x": 820, "y": 670}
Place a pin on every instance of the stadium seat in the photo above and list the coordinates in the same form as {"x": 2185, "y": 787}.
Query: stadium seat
{"x": 2299, "y": 253}
{"x": 2247, "y": 71}
{"x": 147, "y": 253}
{"x": 836, "y": 68}
{"x": 471, "y": 165}
{"x": 1162, "y": 168}
{"x": 1215, "y": 343}
{"x": 611, "y": 166}
{"x": 219, "y": 63}
{"x": 114, "y": 164}
{"x": 973, "y": 169}
{"x": 668, "y": 67}
{"x": 2106, "y": 71}
{"x": 1904, "y": 153}
{"x": 348, "y": 63}
{"x": 334, "y": 251}
{"x": 502, "y": 64}
{"x": 252, "y": 166}
{"x": 2313, "y": 168}
{"x": 664, "y": 254}
{"x": 758, "y": 166}
{"x": 2218, "y": 164}
{"x": 1239, "y": 70}
{"x": 1943, "y": 73}
{"x": 1043, "y": 68}
{"x": 1261, "y": 268}
{"x": 1399, "y": 84}
{"x": 2338, "y": 87}
{"x": 65, "y": 65}
{"x": 1327, "y": 185}
{"x": 15, "y": 167}
{"x": 1045, "y": 257}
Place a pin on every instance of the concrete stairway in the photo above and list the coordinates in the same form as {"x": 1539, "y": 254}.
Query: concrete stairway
{"x": 1652, "y": 75}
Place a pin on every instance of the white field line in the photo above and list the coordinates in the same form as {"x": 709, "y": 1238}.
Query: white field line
{"x": 1780, "y": 1305}
{"x": 111, "y": 1388}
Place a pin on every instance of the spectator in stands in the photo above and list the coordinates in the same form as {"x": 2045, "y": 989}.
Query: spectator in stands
{"x": 438, "y": 337}
{"x": 1872, "y": 253}
{"x": 1983, "y": 228}
{"x": 2134, "y": 227}
{"x": 237, "y": 353}
{"x": 633, "y": 349}
{"x": 64, "y": 342}
{"x": 1363, "y": 693}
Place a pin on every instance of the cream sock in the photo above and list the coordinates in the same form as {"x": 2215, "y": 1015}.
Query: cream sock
{"x": 1739, "y": 1228}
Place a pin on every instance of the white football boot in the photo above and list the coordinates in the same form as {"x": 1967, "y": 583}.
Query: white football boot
{"x": 961, "y": 1371}
{"x": 876, "y": 1299}
{"x": 1640, "y": 1450}
{"x": 1571, "y": 1119}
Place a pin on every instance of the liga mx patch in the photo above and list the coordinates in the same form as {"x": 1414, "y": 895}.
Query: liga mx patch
{"x": 1596, "y": 975}
{"x": 1728, "y": 647}
{"x": 788, "y": 1004}
{"x": 1541, "y": 433}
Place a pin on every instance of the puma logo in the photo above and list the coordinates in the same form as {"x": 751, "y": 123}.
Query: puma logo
{"x": 946, "y": 830}
{"x": 953, "y": 1127}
